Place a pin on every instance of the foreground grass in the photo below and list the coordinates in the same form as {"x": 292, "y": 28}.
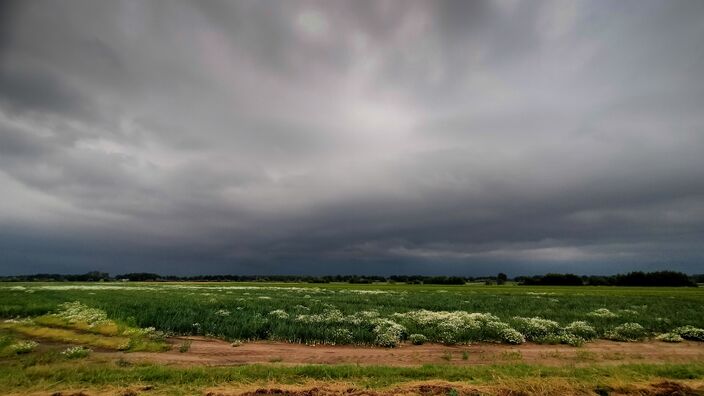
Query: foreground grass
{"x": 27, "y": 377}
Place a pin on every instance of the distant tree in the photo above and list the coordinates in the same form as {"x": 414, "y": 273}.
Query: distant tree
{"x": 599, "y": 281}
{"x": 553, "y": 280}
{"x": 139, "y": 277}
{"x": 658, "y": 278}
{"x": 638, "y": 278}
{"x": 501, "y": 278}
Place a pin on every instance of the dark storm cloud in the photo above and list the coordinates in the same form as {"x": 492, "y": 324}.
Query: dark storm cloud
{"x": 37, "y": 92}
{"x": 363, "y": 136}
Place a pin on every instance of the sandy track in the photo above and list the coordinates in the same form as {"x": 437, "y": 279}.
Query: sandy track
{"x": 205, "y": 351}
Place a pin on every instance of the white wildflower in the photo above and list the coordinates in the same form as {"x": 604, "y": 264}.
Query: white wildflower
{"x": 222, "y": 312}
{"x": 602, "y": 313}
{"x": 21, "y": 347}
{"x": 76, "y": 352}
{"x": 279, "y": 314}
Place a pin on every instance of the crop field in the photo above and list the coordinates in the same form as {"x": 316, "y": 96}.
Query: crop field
{"x": 46, "y": 327}
{"x": 382, "y": 315}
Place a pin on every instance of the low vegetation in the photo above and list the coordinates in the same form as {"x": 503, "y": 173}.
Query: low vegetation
{"x": 76, "y": 323}
{"x": 174, "y": 380}
{"x": 137, "y": 316}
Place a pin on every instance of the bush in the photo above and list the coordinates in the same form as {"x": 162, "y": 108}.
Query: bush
{"x": 562, "y": 338}
{"x": 571, "y": 339}
{"x": 581, "y": 329}
{"x": 630, "y": 332}
{"x": 690, "y": 333}
{"x": 670, "y": 337}
{"x": 417, "y": 339}
{"x": 388, "y": 333}
{"x": 536, "y": 328}
{"x": 512, "y": 336}
{"x": 340, "y": 335}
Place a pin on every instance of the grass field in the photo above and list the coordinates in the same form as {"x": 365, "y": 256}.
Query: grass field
{"x": 138, "y": 317}
{"x": 370, "y": 314}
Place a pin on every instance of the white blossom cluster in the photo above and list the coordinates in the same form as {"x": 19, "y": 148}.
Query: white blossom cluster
{"x": 388, "y": 333}
{"x": 456, "y": 326}
{"x": 139, "y": 332}
{"x": 76, "y": 311}
{"x": 340, "y": 335}
{"x": 602, "y": 313}
{"x": 690, "y": 333}
{"x": 362, "y": 317}
{"x": 278, "y": 314}
{"x": 512, "y": 336}
{"x": 549, "y": 332}
{"x": 76, "y": 352}
{"x": 417, "y": 339}
{"x": 670, "y": 337}
{"x": 630, "y": 332}
{"x": 21, "y": 347}
{"x": 581, "y": 329}
{"x": 535, "y": 328}
{"x": 328, "y": 316}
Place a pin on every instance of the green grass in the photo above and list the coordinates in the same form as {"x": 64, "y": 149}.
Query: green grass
{"x": 242, "y": 310}
{"x": 69, "y": 374}
{"x": 185, "y": 346}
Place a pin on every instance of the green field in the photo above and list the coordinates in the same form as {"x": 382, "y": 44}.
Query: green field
{"x": 47, "y": 332}
{"x": 381, "y": 314}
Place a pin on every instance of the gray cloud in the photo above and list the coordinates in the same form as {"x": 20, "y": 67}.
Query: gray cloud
{"x": 352, "y": 137}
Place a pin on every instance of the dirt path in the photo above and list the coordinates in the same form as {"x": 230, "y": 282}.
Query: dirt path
{"x": 204, "y": 351}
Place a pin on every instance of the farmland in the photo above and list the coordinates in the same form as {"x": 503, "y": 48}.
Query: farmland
{"x": 347, "y": 314}
{"x": 143, "y": 319}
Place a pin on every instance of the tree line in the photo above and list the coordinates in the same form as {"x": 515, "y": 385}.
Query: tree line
{"x": 638, "y": 278}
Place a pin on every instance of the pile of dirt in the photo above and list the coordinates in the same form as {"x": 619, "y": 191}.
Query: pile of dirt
{"x": 418, "y": 389}
{"x": 426, "y": 388}
{"x": 666, "y": 388}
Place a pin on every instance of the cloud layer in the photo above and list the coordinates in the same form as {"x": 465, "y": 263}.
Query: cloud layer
{"x": 351, "y": 137}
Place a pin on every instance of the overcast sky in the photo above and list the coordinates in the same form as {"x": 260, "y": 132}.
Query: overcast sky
{"x": 435, "y": 137}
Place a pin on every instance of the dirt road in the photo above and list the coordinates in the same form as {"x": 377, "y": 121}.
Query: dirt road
{"x": 205, "y": 351}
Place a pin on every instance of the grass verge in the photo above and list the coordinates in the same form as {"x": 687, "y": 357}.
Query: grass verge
{"x": 15, "y": 377}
